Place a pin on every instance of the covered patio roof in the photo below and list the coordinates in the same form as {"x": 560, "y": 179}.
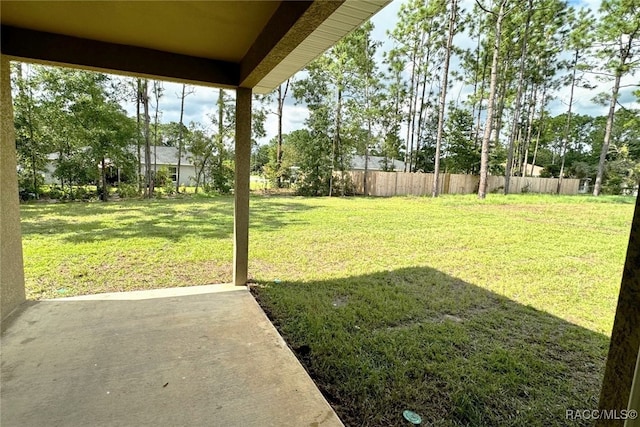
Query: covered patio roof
{"x": 251, "y": 44}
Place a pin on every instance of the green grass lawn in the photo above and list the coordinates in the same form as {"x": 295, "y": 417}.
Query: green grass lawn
{"x": 468, "y": 312}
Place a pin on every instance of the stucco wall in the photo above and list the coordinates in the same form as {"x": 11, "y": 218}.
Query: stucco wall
{"x": 11, "y": 268}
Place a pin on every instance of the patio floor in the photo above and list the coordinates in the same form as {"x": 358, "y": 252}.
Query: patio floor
{"x": 198, "y": 356}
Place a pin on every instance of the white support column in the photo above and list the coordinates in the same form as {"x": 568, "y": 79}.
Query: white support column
{"x": 241, "y": 212}
{"x": 11, "y": 268}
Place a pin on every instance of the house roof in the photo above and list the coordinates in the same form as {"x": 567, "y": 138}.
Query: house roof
{"x": 251, "y": 44}
{"x": 375, "y": 163}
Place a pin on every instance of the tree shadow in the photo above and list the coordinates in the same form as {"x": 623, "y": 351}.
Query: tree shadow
{"x": 419, "y": 339}
{"x": 170, "y": 219}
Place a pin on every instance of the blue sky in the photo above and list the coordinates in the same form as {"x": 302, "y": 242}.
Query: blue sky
{"x": 200, "y": 105}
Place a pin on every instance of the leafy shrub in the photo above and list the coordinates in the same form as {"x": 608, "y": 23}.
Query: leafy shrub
{"x": 550, "y": 171}
{"x": 78, "y": 193}
{"x": 613, "y": 185}
{"x": 169, "y": 188}
{"x": 27, "y": 189}
{"x": 162, "y": 177}
{"x": 55, "y": 192}
{"x": 127, "y": 190}
{"x": 222, "y": 179}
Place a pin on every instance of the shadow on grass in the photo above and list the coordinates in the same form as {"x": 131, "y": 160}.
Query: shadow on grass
{"x": 171, "y": 219}
{"x": 455, "y": 353}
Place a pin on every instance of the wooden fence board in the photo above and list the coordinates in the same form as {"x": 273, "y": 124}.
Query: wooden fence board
{"x": 388, "y": 184}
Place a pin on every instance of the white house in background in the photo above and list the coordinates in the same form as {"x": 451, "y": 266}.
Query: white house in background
{"x": 50, "y": 168}
{"x": 166, "y": 157}
{"x": 376, "y": 163}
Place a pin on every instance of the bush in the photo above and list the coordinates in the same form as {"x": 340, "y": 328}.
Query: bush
{"x": 222, "y": 179}
{"x": 613, "y": 185}
{"x": 55, "y": 192}
{"x": 162, "y": 177}
{"x": 26, "y": 186}
{"x": 127, "y": 190}
{"x": 550, "y": 171}
{"x": 169, "y": 188}
{"x": 79, "y": 193}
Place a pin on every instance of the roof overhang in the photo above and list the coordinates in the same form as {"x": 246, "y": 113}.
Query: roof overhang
{"x": 252, "y": 44}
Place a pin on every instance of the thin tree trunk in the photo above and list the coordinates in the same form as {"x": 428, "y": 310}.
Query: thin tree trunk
{"x": 424, "y": 59}
{"x": 518, "y": 101}
{"x": 443, "y": 99}
{"x": 34, "y": 169}
{"x": 105, "y": 195}
{"x": 523, "y": 152}
{"x": 476, "y": 81}
{"x": 200, "y": 175}
{"x": 524, "y": 160}
{"x": 477, "y": 140}
{"x": 220, "y": 138}
{"x": 368, "y": 107}
{"x": 180, "y": 133}
{"x": 156, "y": 92}
{"x": 138, "y": 143}
{"x": 339, "y": 141}
{"x": 336, "y": 138}
{"x": 282, "y": 95}
{"x": 279, "y": 144}
{"x": 501, "y": 95}
{"x": 532, "y": 113}
{"x": 567, "y": 127}
{"x": 538, "y": 138}
{"x": 526, "y": 139}
{"x": 484, "y": 156}
{"x": 607, "y": 135}
{"x": 409, "y": 153}
{"x": 147, "y": 140}
{"x": 415, "y": 132}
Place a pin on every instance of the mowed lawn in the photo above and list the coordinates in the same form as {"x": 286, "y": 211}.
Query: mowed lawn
{"x": 467, "y": 312}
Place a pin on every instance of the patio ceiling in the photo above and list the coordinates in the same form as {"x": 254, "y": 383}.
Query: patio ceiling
{"x": 252, "y": 44}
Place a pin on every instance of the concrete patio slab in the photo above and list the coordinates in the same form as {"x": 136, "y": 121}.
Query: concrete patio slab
{"x": 199, "y": 356}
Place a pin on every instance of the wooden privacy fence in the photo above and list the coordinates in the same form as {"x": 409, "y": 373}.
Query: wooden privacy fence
{"x": 421, "y": 184}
